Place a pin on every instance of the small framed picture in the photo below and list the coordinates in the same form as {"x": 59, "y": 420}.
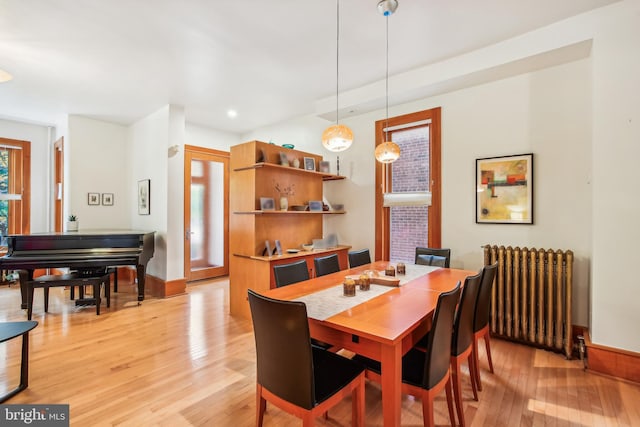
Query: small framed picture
{"x": 107, "y": 199}
{"x": 315, "y": 205}
{"x": 284, "y": 161}
{"x": 144, "y": 197}
{"x": 278, "y": 247}
{"x": 267, "y": 204}
{"x": 267, "y": 248}
{"x": 94, "y": 199}
{"x": 325, "y": 166}
{"x": 309, "y": 164}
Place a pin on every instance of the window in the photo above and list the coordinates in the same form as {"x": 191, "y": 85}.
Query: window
{"x": 399, "y": 229}
{"x": 15, "y": 187}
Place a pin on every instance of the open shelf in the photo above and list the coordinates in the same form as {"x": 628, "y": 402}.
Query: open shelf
{"x": 258, "y": 212}
{"x": 325, "y": 176}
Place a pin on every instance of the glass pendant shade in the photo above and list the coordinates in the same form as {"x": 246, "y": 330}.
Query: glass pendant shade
{"x": 387, "y": 152}
{"x": 4, "y": 76}
{"x": 337, "y": 138}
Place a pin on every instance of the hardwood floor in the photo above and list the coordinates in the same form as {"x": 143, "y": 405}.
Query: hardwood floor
{"x": 183, "y": 361}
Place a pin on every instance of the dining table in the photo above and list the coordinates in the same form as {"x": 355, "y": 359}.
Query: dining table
{"x": 381, "y": 323}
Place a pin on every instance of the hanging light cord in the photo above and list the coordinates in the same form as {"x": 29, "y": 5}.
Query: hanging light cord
{"x": 337, "y": 55}
{"x": 386, "y": 129}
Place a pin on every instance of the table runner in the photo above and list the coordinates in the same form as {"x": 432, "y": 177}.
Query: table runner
{"x": 328, "y": 302}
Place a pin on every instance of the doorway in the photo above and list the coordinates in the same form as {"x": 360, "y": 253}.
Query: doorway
{"x": 206, "y": 219}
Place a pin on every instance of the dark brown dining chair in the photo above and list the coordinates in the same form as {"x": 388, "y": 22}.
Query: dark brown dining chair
{"x": 326, "y": 265}
{"x": 433, "y": 256}
{"x": 291, "y": 373}
{"x": 286, "y": 274}
{"x": 358, "y": 258}
{"x": 481, "y": 318}
{"x": 426, "y": 372}
{"x": 462, "y": 341}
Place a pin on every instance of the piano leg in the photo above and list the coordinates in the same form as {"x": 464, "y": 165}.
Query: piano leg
{"x": 141, "y": 273}
{"x": 25, "y": 276}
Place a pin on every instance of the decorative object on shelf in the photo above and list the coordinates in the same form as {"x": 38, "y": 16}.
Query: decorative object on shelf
{"x": 325, "y": 166}
{"x": 307, "y": 246}
{"x": 299, "y": 208}
{"x": 278, "y": 247}
{"x": 267, "y": 248}
{"x": 504, "y": 189}
{"x": 388, "y": 151}
{"x": 284, "y": 203}
{"x": 337, "y": 206}
{"x": 93, "y": 199}
{"x": 315, "y": 206}
{"x": 144, "y": 197}
{"x": 107, "y": 199}
{"x": 337, "y": 137}
{"x": 284, "y": 161}
{"x": 289, "y": 146}
{"x": 261, "y": 157}
{"x": 267, "y": 204}
{"x": 72, "y": 223}
{"x": 296, "y": 163}
{"x": 309, "y": 164}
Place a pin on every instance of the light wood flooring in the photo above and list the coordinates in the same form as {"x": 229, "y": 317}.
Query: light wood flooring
{"x": 183, "y": 361}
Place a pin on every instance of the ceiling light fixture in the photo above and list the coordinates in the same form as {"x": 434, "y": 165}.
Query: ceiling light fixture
{"x": 232, "y": 114}
{"x": 388, "y": 151}
{"x": 337, "y": 137}
{"x": 4, "y": 76}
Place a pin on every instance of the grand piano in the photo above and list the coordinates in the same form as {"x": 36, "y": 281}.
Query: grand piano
{"x": 84, "y": 251}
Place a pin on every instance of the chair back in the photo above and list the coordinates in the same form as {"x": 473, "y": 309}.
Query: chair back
{"x": 435, "y": 252}
{"x": 286, "y": 274}
{"x": 283, "y": 349}
{"x": 326, "y": 265}
{"x": 463, "y": 325}
{"x": 481, "y": 316}
{"x": 438, "y": 355}
{"x": 432, "y": 260}
{"x": 358, "y": 258}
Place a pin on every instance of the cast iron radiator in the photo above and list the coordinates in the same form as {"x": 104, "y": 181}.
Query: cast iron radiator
{"x": 531, "y": 296}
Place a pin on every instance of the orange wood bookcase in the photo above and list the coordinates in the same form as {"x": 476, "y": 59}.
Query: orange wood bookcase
{"x": 256, "y": 172}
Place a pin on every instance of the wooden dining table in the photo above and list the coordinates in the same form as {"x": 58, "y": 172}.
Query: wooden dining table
{"x": 382, "y": 328}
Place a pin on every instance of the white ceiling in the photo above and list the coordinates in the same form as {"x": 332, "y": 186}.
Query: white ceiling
{"x": 119, "y": 60}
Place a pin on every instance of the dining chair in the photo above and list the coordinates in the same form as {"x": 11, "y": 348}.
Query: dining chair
{"x": 358, "y": 258}
{"x": 462, "y": 340}
{"x": 286, "y": 274}
{"x": 294, "y": 375}
{"x": 432, "y": 260}
{"x": 426, "y": 373}
{"x": 326, "y": 265}
{"x": 434, "y": 252}
{"x": 481, "y": 317}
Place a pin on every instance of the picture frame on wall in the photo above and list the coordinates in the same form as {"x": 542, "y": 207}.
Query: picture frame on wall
{"x": 107, "y": 199}
{"x": 504, "y": 189}
{"x": 93, "y": 199}
{"x": 144, "y": 197}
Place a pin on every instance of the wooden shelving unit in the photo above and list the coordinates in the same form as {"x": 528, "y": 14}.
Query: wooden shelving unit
{"x": 256, "y": 172}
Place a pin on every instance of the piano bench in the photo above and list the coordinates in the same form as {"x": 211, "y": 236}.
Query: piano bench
{"x": 71, "y": 280}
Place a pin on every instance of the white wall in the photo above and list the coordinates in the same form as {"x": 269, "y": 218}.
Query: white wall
{"x": 95, "y": 158}
{"x": 201, "y": 136}
{"x": 40, "y": 137}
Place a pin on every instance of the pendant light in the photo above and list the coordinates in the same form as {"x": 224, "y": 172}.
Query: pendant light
{"x": 4, "y": 76}
{"x": 388, "y": 151}
{"x": 337, "y": 137}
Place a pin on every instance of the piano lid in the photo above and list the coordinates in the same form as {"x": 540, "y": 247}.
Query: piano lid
{"x": 82, "y": 240}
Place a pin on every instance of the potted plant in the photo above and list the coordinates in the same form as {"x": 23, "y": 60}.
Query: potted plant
{"x": 72, "y": 223}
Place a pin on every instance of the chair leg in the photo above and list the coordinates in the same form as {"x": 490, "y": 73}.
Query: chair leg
{"x": 427, "y": 410}
{"x": 358, "y": 405}
{"x": 474, "y": 351}
{"x": 487, "y": 344}
{"x": 449, "y": 392}
{"x": 472, "y": 375}
{"x": 261, "y": 406}
{"x": 96, "y": 295}
{"x": 457, "y": 385}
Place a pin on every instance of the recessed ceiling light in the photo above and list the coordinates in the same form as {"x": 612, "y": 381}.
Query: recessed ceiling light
{"x": 4, "y": 76}
{"x": 232, "y": 114}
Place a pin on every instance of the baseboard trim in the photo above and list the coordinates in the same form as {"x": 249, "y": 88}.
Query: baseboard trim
{"x": 612, "y": 361}
{"x": 163, "y": 289}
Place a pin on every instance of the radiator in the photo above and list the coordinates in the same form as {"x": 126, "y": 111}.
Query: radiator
{"x": 531, "y": 296}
